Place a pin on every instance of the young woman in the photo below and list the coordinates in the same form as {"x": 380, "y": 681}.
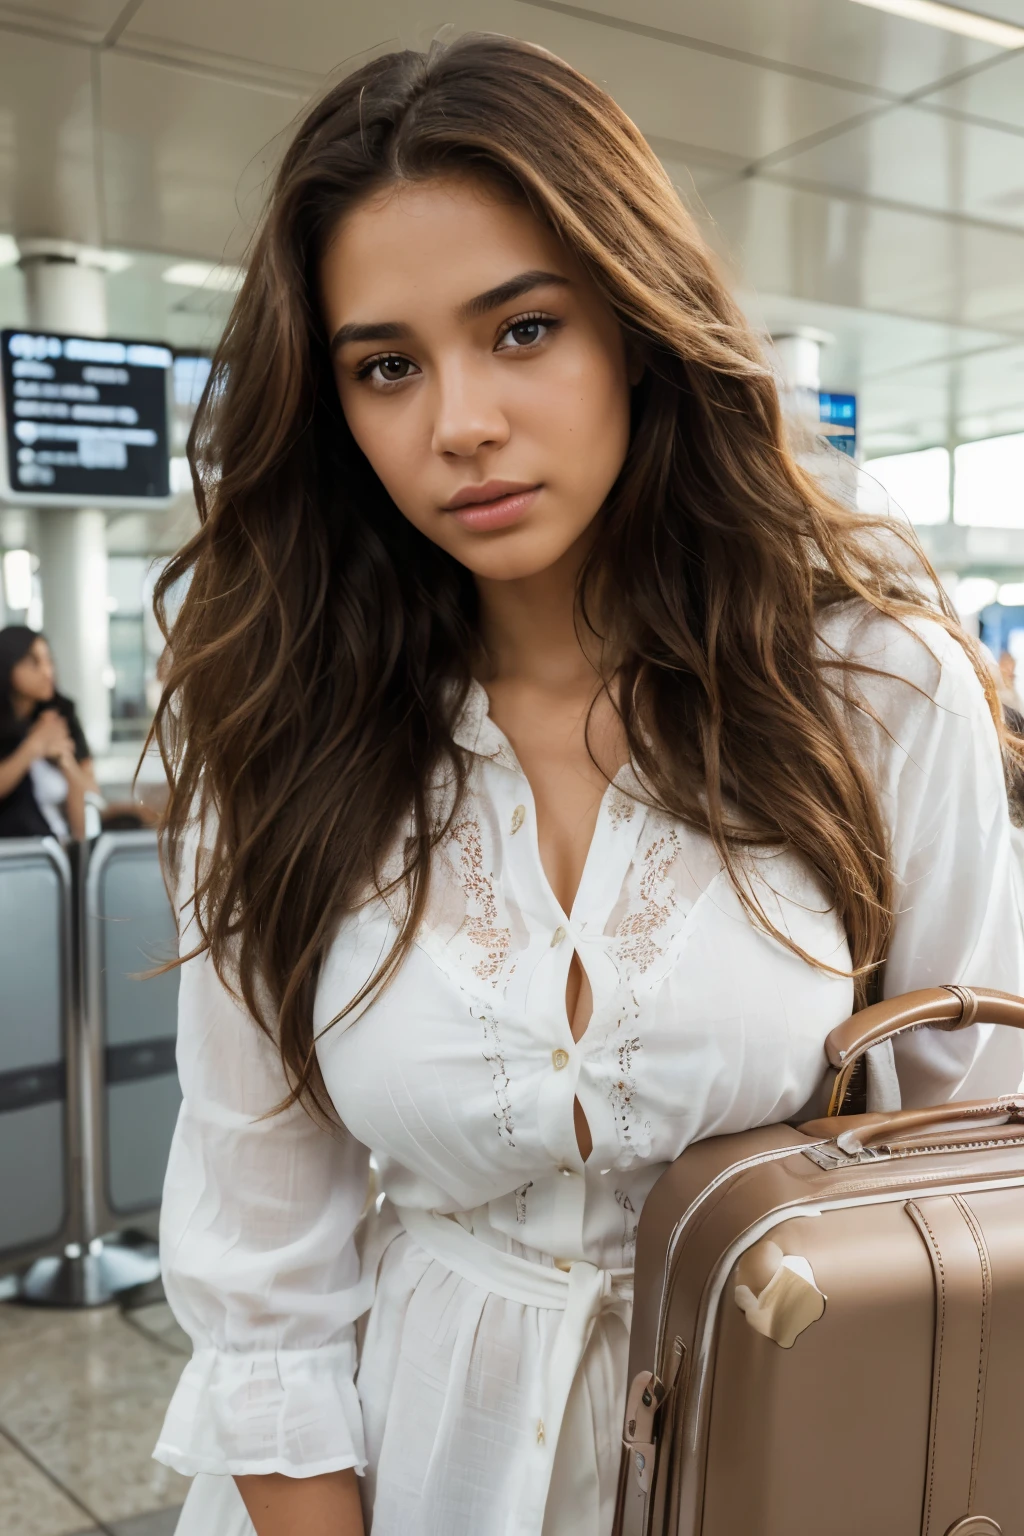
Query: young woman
{"x": 554, "y": 766}
{"x": 45, "y": 763}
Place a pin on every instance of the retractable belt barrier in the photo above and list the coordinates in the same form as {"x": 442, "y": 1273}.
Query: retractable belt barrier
{"x": 129, "y": 929}
{"x": 37, "y": 982}
{"x": 88, "y": 1088}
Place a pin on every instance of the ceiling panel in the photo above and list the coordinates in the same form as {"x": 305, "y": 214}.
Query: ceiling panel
{"x": 831, "y": 37}
{"x": 86, "y": 20}
{"x": 989, "y": 393}
{"x": 706, "y": 101}
{"x": 910, "y": 376}
{"x": 47, "y": 173}
{"x": 923, "y": 158}
{"x": 973, "y": 397}
{"x": 867, "y": 344}
{"x": 140, "y": 303}
{"x": 186, "y": 156}
{"x": 997, "y": 93}
{"x": 309, "y": 35}
{"x": 1006, "y": 10}
{"x": 837, "y": 251}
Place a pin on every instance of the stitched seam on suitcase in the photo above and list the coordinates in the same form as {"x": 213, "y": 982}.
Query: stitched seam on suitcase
{"x": 986, "y": 1296}
{"x": 940, "y": 1302}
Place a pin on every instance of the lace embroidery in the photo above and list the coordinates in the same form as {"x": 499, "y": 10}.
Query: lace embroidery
{"x": 629, "y": 1226}
{"x": 621, "y": 809}
{"x": 638, "y": 930}
{"x": 520, "y": 1195}
{"x": 481, "y": 922}
{"x": 495, "y": 1059}
{"x": 634, "y": 1133}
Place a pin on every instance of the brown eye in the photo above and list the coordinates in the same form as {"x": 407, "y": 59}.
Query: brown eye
{"x": 526, "y": 332}
{"x": 393, "y": 368}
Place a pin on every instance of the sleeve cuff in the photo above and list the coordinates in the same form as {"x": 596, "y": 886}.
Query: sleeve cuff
{"x": 294, "y": 1411}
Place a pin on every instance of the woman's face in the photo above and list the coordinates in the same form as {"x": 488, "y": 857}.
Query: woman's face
{"x": 481, "y": 372}
{"x": 32, "y": 677}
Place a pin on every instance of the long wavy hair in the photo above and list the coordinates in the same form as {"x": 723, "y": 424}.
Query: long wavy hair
{"x": 324, "y": 646}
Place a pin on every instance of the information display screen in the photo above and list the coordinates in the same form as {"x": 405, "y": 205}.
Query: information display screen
{"x": 85, "y": 420}
{"x": 839, "y": 417}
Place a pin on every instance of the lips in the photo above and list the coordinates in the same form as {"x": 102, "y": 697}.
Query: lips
{"x": 487, "y": 494}
{"x": 496, "y": 504}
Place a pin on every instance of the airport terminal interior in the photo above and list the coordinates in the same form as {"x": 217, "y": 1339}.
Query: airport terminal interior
{"x": 858, "y": 166}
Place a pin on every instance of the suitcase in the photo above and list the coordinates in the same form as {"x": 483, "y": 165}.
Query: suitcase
{"x": 828, "y": 1325}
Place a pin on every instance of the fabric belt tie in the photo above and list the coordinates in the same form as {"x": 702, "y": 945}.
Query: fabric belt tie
{"x": 582, "y": 1292}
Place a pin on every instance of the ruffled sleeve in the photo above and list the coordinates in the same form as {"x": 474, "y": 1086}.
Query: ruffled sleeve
{"x": 259, "y": 1255}
{"x": 938, "y": 767}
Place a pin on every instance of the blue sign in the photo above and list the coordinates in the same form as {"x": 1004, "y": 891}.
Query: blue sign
{"x": 839, "y": 414}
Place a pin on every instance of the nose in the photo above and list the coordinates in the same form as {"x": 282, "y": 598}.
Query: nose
{"x": 468, "y": 416}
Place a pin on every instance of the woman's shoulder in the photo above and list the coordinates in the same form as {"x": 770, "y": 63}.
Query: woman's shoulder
{"x": 907, "y": 664}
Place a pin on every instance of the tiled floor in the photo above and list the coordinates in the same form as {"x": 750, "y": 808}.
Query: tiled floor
{"x": 82, "y": 1395}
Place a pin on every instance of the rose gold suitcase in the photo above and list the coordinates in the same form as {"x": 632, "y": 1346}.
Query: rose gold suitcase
{"x": 828, "y": 1331}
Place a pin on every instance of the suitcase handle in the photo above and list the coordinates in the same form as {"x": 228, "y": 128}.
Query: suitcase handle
{"x": 948, "y": 1007}
{"x": 860, "y": 1133}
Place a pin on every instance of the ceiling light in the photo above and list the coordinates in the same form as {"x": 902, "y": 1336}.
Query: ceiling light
{"x": 109, "y": 261}
{"x": 205, "y": 274}
{"x": 1011, "y": 594}
{"x": 8, "y": 251}
{"x": 70, "y": 250}
{"x": 985, "y": 29}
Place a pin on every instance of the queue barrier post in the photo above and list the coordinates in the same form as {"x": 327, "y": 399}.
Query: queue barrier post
{"x": 39, "y": 1110}
{"x": 123, "y": 1092}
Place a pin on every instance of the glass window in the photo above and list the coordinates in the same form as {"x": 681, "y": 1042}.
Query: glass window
{"x": 989, "y": 486}
{"x": 918, "y": 483}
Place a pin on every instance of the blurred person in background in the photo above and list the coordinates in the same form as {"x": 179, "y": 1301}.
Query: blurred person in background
{"x": 45, "y": 763}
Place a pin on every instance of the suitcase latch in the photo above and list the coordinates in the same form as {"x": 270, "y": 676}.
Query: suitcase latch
{"x": 646, "y": 1395}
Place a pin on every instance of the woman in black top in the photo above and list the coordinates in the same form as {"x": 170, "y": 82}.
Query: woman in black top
{"x": 45, "y": 763}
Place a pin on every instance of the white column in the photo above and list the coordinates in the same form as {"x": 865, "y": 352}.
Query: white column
{"x": 798, "y": 357}
{"x": 67, "y": 295}
{"x": 73, "y": 569}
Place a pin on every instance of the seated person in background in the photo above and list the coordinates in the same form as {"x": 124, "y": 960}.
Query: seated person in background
{"x": 45, "y": 763}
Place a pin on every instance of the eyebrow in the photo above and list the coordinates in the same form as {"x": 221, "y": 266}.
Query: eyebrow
{"x": 494, "y": 298}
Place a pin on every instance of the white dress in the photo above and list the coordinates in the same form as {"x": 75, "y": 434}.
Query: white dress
{"x": 484, "y": 1395}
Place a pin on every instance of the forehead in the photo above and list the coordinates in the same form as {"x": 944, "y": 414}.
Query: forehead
{"x": 428, "y": 246}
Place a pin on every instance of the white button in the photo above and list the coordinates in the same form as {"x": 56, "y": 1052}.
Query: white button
{"x": 567, "y": 1172}
{"x": 518, "y": 817}
{"x": 557, "y": 936}
{"x": 559, "y": 1059}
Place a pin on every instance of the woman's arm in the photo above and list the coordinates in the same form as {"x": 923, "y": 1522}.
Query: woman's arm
{"x": 261, "y": 1269}
{"x": 47, "y": 738}
{"x": 308, "y": 1506}
{"x": 958, "y": 915}
{"x": 78, "y": 783}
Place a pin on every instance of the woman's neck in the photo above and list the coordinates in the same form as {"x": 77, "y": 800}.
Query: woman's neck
{"x": 532, "y": 632}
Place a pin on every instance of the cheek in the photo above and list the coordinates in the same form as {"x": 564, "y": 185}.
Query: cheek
{"x": 587, "y": 421}
{"x": 391, "y": 439}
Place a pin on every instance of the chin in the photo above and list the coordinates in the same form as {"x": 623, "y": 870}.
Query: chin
{"x": 512, "y": 559}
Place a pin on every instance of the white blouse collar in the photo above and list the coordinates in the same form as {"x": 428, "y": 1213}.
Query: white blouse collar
{"x": 474, "y": 730}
